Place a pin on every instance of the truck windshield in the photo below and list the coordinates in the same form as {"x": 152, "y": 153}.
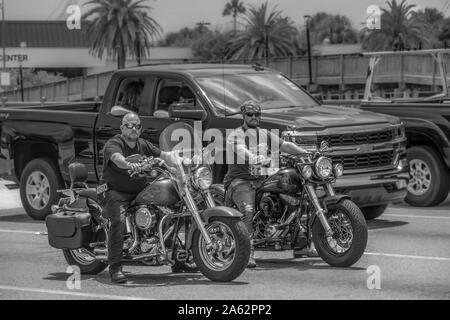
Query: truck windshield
{"x": 272, "y": 90}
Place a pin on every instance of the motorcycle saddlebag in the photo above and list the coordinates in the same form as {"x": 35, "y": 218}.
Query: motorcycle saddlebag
{"x": 69, "y": 230}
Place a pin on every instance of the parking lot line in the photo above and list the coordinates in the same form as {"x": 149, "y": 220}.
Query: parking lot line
{"x": 393, "y": 255}
{"x": 24, "y": 232}
{"x": 71, "y": 293}
{"x": 415, "y": 216}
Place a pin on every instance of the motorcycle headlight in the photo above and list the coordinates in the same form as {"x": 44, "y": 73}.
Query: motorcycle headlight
{"x": 202, "y": 178}
{"x": 338, "y": 170}
{"x": 306, "y": 172}
{"x": 323, "y": 167}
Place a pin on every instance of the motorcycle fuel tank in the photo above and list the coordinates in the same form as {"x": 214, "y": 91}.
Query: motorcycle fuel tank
{"x": 284, "y": 181}
{"x": 159, "y": 193}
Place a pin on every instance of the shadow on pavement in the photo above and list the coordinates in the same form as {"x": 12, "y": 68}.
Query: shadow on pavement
{"x": 301, "y": 264}
{"x": 16, "y": 215}
{"x": 442, "y": 206}
{"x": 138, "y": 280}
{"x": 381, "y": 224}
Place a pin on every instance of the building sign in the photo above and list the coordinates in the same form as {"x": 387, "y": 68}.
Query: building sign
{"x": 15, "y": 57}
{"x": 50, "y": 58}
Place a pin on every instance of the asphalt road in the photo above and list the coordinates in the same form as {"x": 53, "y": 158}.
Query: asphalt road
{"x": 409, "y": 248}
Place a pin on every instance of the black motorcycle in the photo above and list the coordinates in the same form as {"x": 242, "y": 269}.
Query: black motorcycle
{"x": 164, "y": 224}
{"x": 297, "y": 205}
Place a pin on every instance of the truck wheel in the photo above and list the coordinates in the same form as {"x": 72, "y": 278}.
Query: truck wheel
{"x": 373, "y": 212}
{"x": 429, "y": 182}
{"x": 38, "y": 184}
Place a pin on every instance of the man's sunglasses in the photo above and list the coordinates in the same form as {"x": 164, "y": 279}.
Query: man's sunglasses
{"x": 131, "y": 126}
{"x": 251, "y": 114}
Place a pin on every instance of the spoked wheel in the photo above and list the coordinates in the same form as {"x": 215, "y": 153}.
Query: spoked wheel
{"x": 348, "y": 242}
{"x": 229, "y": 253}
{"x": 85, "y": 258}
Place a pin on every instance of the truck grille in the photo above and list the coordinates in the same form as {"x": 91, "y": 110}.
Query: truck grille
{"x": 348, "y": 139}
{"x": 362, "y": 161}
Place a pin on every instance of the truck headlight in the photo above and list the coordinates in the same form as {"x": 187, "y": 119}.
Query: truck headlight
{"x": 306, "y": 140}
{"x": 202, "y": 178}
{"x": 323, "y": 167}
{"x": 338, "y": 170}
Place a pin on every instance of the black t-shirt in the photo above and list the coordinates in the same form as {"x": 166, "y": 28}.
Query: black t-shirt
{"x": 118, "y": 179}
{"x": 253, "y": 140}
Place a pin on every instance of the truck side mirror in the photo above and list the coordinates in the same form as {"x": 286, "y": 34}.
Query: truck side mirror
{"x": 187, "y": 111}
{"x": 118, "y": 111}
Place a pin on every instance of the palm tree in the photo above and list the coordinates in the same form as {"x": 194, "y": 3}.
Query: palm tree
{"x": 120, "y": 27}
{"x": 234, "y": 8}
{"x": 263, "y": 29}
{"x": 400, "y": 29}
{"x": 335, "y": 28}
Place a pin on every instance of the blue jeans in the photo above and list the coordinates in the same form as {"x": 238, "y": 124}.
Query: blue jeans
{"x": 242, "y": 193}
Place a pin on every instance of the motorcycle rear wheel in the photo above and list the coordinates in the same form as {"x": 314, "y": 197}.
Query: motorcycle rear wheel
{"x": 220, "y": 267}
{"x": 85, "y": 260}
{"x": 349, "y": 241}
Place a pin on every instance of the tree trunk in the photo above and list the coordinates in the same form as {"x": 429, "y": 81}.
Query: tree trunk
{"x": 121, "y": 56}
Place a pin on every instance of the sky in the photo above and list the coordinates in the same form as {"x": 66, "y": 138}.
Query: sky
{"x": 173, "y": 15}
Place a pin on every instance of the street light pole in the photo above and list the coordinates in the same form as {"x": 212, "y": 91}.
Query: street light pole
{"x": 3, "y": 34}
{"x": 23, "y": 45}
{"x": 308, "y": 42}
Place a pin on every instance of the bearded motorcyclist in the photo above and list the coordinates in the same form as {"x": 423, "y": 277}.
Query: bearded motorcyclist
{"x": 123, "y": 189}
{"x": 240, "y": 183}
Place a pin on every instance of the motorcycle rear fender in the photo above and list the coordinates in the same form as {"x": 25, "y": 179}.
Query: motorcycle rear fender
{"x": 207, "y": 215}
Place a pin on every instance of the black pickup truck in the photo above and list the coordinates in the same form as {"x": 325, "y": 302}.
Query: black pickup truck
{"x": 427, "y": 126}
{"x": 38, "y": 142}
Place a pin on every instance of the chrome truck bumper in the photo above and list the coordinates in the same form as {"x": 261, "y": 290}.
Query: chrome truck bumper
{"x": 376, "y": 188}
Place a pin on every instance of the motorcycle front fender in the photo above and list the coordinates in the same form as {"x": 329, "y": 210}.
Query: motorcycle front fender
{"x": 207, "y": 215}
{"x": 330, "y": 200}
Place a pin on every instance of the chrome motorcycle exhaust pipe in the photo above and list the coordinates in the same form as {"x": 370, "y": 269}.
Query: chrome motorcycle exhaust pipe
{"x": 144, "y": 256}
{"x": 319, "y": 211}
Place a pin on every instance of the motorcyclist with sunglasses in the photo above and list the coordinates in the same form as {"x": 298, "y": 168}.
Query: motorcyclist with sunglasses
{"x": 122, "y": 189}
{"x": 251, "y": 144}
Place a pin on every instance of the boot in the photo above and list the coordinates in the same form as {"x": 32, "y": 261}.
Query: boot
{"x": 307, "y": 251}
{"x": 251, "y": 260}
{"x": 117, "y": 276}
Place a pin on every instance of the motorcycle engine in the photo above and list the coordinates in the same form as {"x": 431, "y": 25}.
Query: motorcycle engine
{"x": 271, "y": 205}
{"x": 144, "y": 218}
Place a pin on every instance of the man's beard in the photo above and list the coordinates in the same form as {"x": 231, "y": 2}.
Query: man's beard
{"x": 131, "y": 139}
{"x": 252, "y": 124}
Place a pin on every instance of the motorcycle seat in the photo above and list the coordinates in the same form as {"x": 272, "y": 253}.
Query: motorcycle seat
{"x": 90, "y": 193}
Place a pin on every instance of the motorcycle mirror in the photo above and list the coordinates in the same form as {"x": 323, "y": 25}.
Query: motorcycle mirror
{"x": 118, "y": 111}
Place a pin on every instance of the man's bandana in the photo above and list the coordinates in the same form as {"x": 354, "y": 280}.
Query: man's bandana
{"x": 250, "y": 106}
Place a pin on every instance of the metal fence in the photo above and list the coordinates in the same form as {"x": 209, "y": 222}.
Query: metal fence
{"x": 344, "y": 72}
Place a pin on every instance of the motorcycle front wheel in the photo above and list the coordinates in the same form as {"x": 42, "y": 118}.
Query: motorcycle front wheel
{"x": 230, "y": 256}
{"x": 348, "y": 242}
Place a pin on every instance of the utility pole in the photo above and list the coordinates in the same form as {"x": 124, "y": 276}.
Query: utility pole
{"x": 308, "y": 41}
